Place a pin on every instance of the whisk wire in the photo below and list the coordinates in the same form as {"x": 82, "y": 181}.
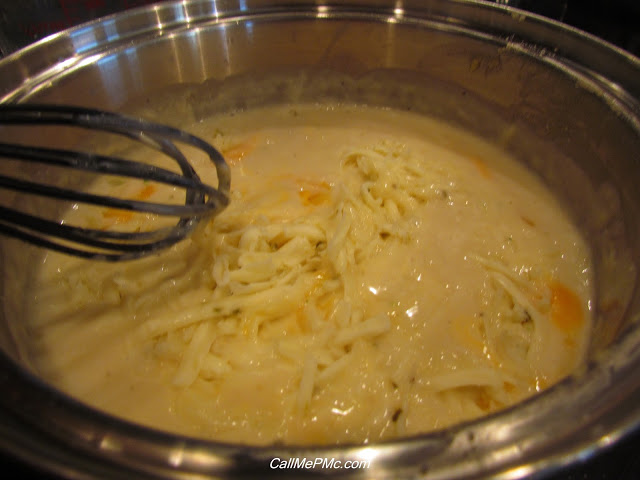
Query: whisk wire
{"x": 102, "y": 164}
{"x": 200, "y": 200}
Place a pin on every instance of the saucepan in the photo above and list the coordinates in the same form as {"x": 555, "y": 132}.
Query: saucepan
{"x": 563, "y": 102}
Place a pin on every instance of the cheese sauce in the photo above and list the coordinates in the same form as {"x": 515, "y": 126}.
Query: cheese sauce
{"x": 377, "y": 274}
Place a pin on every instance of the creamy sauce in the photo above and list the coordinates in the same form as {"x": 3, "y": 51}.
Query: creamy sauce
{"x": 376, "y": 275}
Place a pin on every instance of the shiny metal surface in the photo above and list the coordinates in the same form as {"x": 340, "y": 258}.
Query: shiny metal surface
{"x": 565, "y": 103}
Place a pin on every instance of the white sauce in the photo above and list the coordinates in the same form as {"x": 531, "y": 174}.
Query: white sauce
{"x": 377, "y": 274}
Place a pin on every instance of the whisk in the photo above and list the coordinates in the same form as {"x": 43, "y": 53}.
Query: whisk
{"x": 200, "y": 200}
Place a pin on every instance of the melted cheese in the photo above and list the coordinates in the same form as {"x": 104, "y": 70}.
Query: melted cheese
{"x": 377, "y": 274}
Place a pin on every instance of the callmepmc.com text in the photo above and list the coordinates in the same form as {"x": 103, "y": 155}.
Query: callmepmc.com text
{"x": 319, "y": 463}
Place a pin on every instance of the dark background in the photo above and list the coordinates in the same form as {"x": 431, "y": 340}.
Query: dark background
{"x": 617, "y": 21}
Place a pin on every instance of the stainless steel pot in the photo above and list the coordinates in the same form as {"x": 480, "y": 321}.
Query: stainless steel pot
{"x": 560, "y": 100}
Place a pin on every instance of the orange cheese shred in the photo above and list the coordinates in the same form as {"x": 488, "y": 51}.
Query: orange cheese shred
{"x": 122, "y": 216}
{"x": 146, "y": 192}
{"x": 314, "y": 193}
{"x": 234, "y": 154}
{"x": 566, "y": 309}
{"x": 482, "y": 167}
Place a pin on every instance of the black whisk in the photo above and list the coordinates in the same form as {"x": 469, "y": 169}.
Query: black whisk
{"x": 201, "y": 200}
